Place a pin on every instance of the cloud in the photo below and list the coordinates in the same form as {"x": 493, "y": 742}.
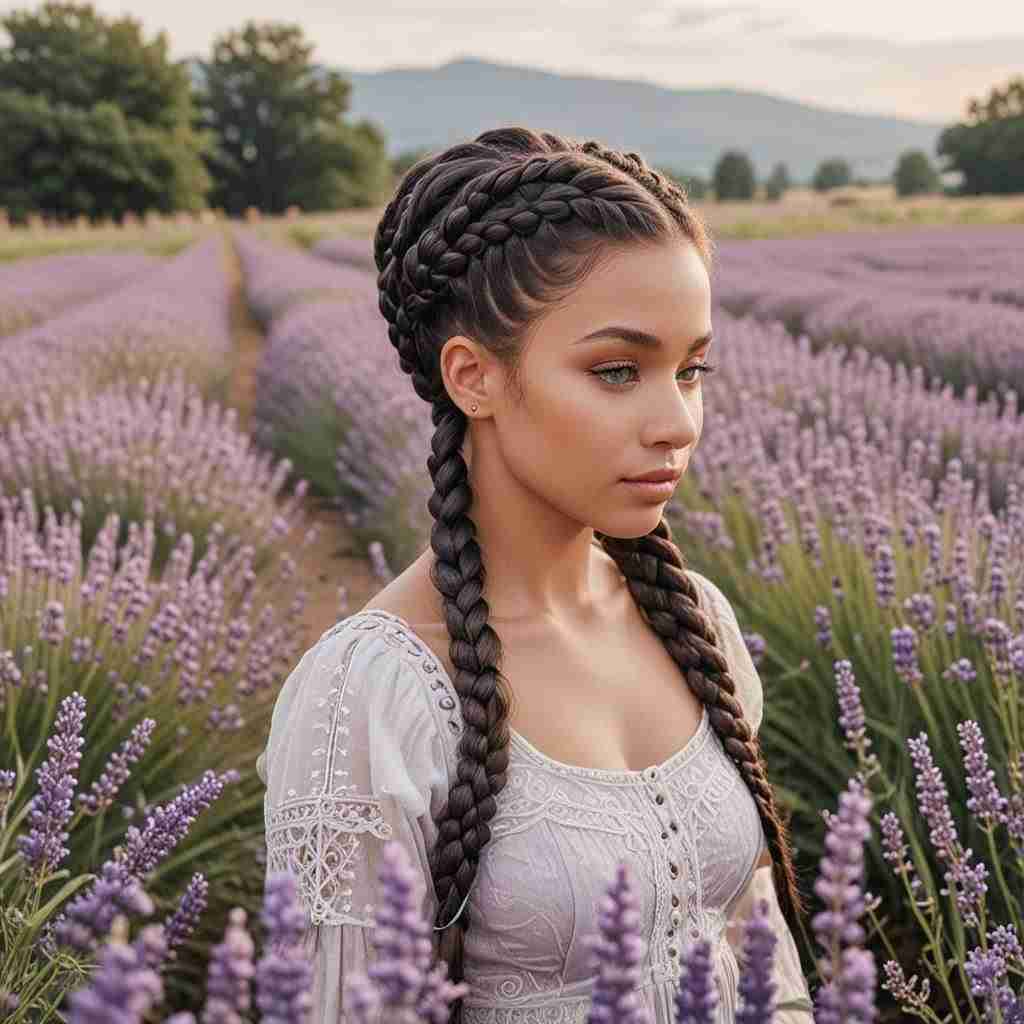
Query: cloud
{"x": 930, "y": 56}
{"x": 695, "y": 15}
{"x": 765, "y": 22}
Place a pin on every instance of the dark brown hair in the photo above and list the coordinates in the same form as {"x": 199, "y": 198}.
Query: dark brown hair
{"x": 478, "y": 240}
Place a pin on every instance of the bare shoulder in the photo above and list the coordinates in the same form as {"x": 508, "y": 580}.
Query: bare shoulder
{"x": 410, "y": 595}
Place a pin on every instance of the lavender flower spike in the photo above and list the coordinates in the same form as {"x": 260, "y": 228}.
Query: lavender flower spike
{"x": 182, "y": 923}
{"x": 756, "y": 988}
{"x": 696, "y": 998}
{"x": 103, "y": 790}
{"x": 230, "y": 973}
{"x": 617, "y": 951}
{"x": 848, "y": 971}
{"x": 284, "y": 976}
{"x": 121, "y": 990}
{"x": 52, "y": 808}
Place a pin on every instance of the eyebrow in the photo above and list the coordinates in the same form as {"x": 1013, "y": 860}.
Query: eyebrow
{"x": 637, "y": 337}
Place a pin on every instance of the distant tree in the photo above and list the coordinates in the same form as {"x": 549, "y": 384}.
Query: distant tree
{"x": 833, "y": 173}
{"x": 733, "y": 176}
{"x": 777, "y": 183}
{"x": 694, "y": 185}
{"x": 95, "y": 120}
{"x": 277, "y": 118}
{"x": 914, "y": 174}
{"x": 988, "y": 149}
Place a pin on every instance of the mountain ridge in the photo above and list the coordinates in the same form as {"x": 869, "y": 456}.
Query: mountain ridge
{"x": 686, "y": 129}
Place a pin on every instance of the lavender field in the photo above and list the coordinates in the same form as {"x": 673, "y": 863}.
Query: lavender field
{"x": 858, "y": 495}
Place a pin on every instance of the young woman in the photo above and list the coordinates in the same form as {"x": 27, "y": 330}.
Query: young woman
{"x": 547, "y": 690}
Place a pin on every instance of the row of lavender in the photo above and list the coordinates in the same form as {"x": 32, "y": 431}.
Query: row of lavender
{"x": 949, "y": 301}
{"x": 857, "y": 510}
{"x": 32, "y": 290}
{"x": 160, "y": 581}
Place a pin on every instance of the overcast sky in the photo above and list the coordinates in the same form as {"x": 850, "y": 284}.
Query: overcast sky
{"x": 916, "y": 59}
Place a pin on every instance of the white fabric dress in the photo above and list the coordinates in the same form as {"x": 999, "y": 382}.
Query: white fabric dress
{"x": 362, "y": 750}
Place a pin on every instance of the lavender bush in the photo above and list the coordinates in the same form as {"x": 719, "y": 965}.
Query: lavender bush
{"x": 354, "y": 252}
{"x": 128, "y": 984}
{"x": 153, "y": 450}
{"x": 180, "y": 671}
{"x": 33, "y": 290}
{"x": 277, "y": 277}
{"x": 176, "y": 315}
{"x": 948, "y": 301}
{"x": 331, "y": 399}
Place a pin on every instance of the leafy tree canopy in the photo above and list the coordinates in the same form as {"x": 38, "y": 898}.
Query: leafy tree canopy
{"x": 97, "y": 120}
{"x": 988, "y": 148}
{"x": 278, "y": 120}
{"x": 733, "y": 176}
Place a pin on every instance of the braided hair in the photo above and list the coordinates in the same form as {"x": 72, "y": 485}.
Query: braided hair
{"x": 478, "y": 240}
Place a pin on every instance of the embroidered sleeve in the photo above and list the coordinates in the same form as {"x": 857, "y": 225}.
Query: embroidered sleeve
{"x": 353, "y": 761}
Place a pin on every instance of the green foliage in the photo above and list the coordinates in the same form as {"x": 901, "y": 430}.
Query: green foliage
{"x": 277, "y": 119}
{"x": 915, "y": 174}
{"x": 96, "y": 120}
{"x": 832, "y": 173}
{"x": 988, "y": 148}
{"x": 777, "y": 182}
{"x": 733, "y": 176}
{"x": 693, "y": 185}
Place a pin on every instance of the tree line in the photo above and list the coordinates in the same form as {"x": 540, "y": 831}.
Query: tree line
{"x": 98, "y": 121}
{"x": 986, "y": 152}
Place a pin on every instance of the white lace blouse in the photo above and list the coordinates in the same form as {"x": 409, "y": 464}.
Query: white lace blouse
{"x": 362, "y": 750}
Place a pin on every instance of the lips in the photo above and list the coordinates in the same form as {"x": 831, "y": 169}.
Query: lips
{"x": 656, "y": 477}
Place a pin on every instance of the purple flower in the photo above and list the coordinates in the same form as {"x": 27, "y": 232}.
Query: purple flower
{"x": 894, "y": 849}
{"x": 283, "y": 974}
{"x": 985, "y": 801}
{"x": 123, "y": 989}
{"x": 933, "y": 798}
{"x": 885, "y": 575}
{"x": 89, "y": 916}
{"x": 182, "y": 923}
{"x": 904, "y": 654}
{"x": 103, "y": 790}
{"x": 616, "y": 953}
{"x": 961, "y": 670}
{"x": 169, "y": 823}
{"x": 933, "y": 801}
{"x": 230, "y": 973}
{"x": 986, "y": 970}
{"x": 756, "y": 988}
{"x": 696, "y": 999}
{"x": 840, "y": 874}
{"x": 52, "y": 808}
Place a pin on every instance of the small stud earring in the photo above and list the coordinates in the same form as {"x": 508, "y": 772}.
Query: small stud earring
{"x": 473, "y": 408}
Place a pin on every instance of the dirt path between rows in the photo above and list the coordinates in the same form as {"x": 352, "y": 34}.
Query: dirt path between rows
{"x": 333, "y": 560}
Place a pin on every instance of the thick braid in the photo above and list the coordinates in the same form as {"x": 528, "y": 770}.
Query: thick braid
{"x": 466, "y": 234}
{"x": 458, "y": 573}
{"x": 654, "y": 569}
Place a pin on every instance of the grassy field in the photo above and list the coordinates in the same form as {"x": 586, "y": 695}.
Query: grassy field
{"x": 801, "y": 212}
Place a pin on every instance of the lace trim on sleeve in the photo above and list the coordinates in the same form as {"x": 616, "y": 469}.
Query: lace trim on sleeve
{"x": 315, "y": 834}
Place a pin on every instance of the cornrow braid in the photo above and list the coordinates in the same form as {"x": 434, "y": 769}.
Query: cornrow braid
{"x": 475, "y": 242}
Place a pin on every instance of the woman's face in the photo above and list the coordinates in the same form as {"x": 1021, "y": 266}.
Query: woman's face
{"x": 601, "y": 409}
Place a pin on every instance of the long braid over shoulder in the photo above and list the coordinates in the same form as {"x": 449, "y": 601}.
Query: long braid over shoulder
{"x": 479, "y": 240}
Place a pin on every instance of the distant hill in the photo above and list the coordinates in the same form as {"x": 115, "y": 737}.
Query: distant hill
{"x": 686, "y": 129}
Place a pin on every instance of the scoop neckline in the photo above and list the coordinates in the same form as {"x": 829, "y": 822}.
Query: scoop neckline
{"x": 650, "y": 773}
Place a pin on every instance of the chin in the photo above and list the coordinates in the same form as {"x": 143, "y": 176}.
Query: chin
{"x": 638, "y": 526}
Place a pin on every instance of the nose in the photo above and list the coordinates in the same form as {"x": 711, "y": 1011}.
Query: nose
{"x": 675, "y": 422}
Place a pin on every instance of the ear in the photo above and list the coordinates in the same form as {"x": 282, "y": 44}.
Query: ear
{"x": 466, "y": 371}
